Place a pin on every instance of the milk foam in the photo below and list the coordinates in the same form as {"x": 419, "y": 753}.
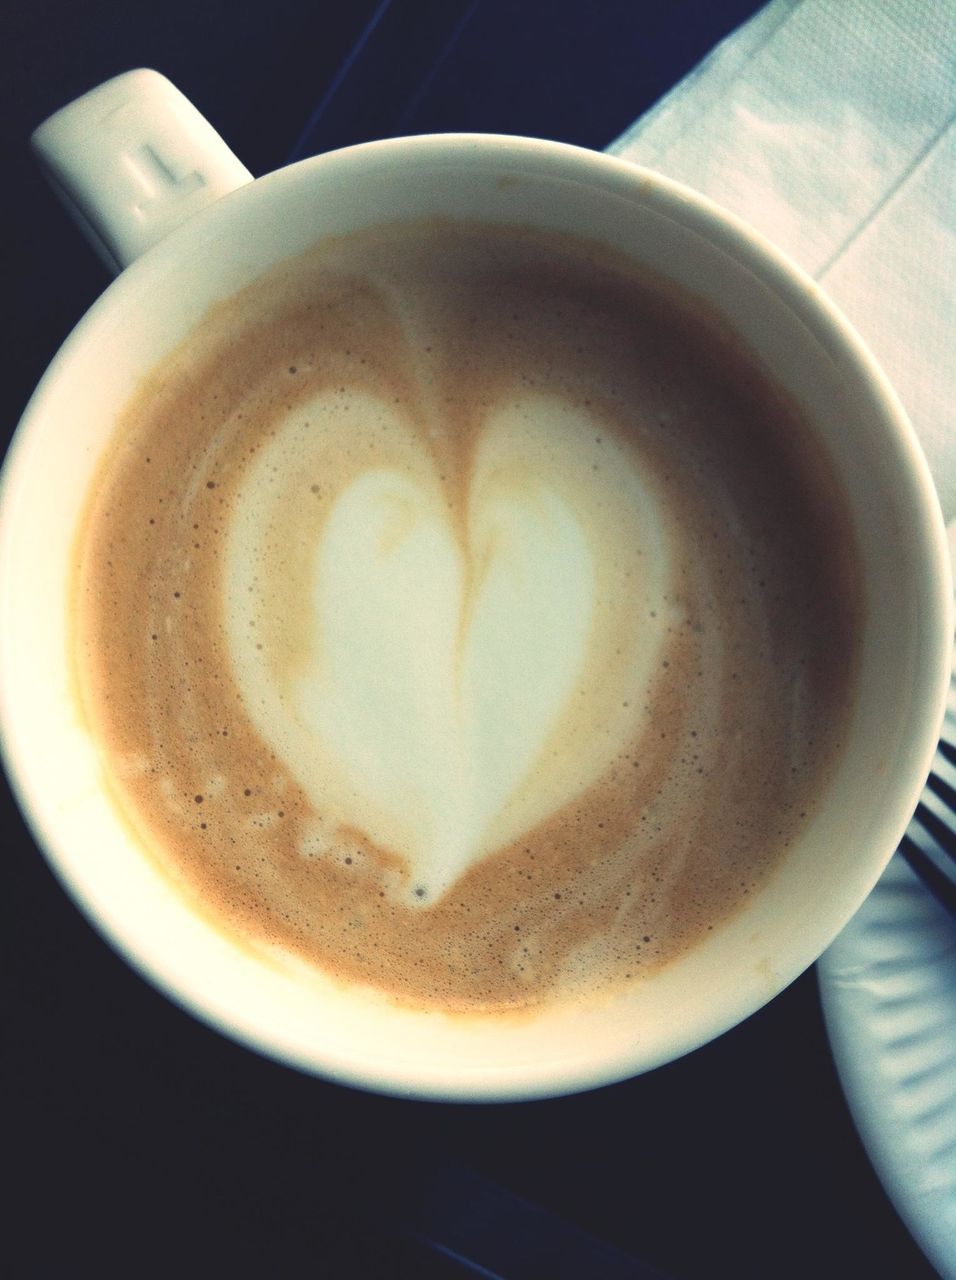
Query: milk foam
{"x": 474, "y": 561}
{"x": 437, "y": 670}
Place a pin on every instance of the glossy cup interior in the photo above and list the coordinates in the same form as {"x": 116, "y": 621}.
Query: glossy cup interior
{"x": 300, "y": 1016}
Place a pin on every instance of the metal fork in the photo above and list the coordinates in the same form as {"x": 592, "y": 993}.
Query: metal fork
{"x": 934, "y": 860}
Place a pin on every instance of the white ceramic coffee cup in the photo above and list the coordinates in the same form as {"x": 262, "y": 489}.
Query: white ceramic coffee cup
{"x": 168, "y": 205}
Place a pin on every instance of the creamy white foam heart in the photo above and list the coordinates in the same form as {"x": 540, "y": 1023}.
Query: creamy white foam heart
{"x": 430, "y": 675}
{"x": 465, "y": 612}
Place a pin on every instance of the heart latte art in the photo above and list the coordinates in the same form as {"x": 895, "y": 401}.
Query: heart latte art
{"x": 444, "y": 680}
{"x": 462, "y": 611}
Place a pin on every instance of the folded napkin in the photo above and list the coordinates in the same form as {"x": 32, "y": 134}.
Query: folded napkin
{"x": 830, "y": 125}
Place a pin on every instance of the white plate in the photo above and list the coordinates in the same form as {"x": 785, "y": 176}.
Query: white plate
{"x": 888, "y": 985}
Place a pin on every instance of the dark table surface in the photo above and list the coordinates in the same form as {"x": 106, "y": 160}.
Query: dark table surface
{"x": 138, "y": 1142}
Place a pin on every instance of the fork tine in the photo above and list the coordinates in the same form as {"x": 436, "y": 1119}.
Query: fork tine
{"x": 935, "y": 880}
{"x": 947, "y": 751}
{"x": 944, "y": 835}
{"x": 945, "y": 792}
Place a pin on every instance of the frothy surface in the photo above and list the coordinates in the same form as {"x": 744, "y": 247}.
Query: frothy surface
{"x": 460, "y": 610}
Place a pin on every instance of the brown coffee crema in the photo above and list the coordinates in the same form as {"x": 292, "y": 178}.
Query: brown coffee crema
{"x": 464, "y": 611}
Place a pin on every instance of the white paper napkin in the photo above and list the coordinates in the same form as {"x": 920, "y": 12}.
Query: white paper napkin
{"x": 830, "y": 125}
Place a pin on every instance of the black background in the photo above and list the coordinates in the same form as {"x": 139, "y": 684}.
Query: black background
{"x": 137, "y": 1142}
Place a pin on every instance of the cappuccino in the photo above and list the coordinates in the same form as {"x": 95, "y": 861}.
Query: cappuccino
{"x": 467, "y": 613}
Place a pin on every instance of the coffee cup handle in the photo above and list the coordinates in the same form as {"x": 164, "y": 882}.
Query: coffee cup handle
{"x": 131, "y": 160}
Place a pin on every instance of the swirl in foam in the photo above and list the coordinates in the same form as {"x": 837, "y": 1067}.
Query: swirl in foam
{"x": 430, "y": 618}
